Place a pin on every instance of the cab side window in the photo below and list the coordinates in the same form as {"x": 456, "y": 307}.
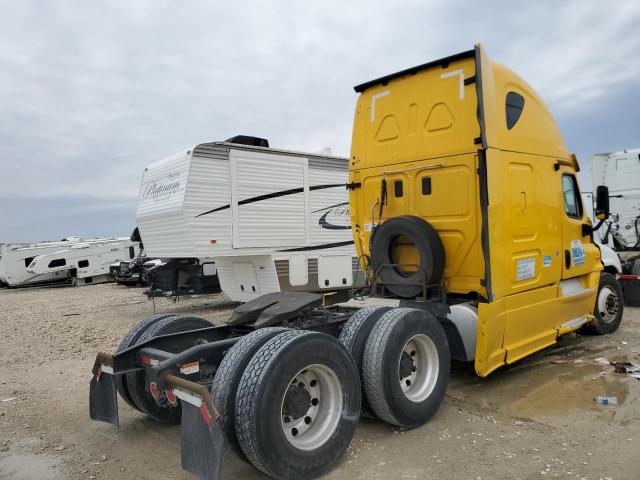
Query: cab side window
{"x": 571, "y": 194}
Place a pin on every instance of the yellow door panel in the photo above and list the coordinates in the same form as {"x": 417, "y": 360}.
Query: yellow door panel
{"x": 580, "y": 255}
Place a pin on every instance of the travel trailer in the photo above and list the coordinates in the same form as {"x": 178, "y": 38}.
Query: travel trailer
{"x": 85, "y": 262}
{"x": 273, "y": 220}
{"x": 15, "y": 258}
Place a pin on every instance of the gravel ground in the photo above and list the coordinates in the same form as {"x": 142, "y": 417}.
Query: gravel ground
{"x": 535, "y": 419}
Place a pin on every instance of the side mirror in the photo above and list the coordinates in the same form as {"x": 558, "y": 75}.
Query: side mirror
{"x": 602, "y": 203}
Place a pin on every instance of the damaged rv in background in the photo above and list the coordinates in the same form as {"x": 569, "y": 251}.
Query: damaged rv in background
{"x": 247, "y": 219}
{"x": 74, "y": 260}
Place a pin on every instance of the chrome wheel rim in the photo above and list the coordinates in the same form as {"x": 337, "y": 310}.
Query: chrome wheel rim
{"x": 418, "y": 368}
{"x": 311, "y": 407}
{"x": 608, "y": 304}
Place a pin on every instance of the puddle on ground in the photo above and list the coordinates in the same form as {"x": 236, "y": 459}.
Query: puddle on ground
{"x": 28, "y": 466}
{"x": 573, "y": 390}
{"x": 557, "y": 390}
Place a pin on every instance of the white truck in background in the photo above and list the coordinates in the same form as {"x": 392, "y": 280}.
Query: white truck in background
{"x": 620, "y": 171}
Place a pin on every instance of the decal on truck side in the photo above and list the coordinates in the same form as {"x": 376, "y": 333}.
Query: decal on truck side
{"x": 577, "y": 253}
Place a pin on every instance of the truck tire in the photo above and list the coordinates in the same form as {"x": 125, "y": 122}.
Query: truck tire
{"x": 297, "y": 405}
{"x": 225, "y": 383}
{"x": 608, "y": 308}
{"x": 129, "y": 341}
{"x": 354, "y": 337}
{"x": 136, "y": 381}
{"x": 406, "y": 366}
{"x": 427, "y": 242}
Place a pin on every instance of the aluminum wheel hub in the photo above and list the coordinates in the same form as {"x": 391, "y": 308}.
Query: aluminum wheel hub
{"x": 311, "y": 407}
{"x": 418, "y": 380}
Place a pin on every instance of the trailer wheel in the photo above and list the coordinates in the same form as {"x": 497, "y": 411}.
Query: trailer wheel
{"x": 297, "y": 405}
{"x": 136, "y": 381}
{"x": 609, "y": 306}
{"x": 225, "y": 383}
{"x": 354, "y": 337}
{"x": 390, "y": 237}
{"x": 406, "y": 364}
{"x": 129, "y": 341}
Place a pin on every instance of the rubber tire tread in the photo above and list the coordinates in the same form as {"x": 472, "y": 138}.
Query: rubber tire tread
{"x": 130, "y": 339}
{"x": 373, "y": 377}
{"x": 426, "y": 240}
{"x": 354, "y": 337}
{"x": 136, "y": 380}
{"x": 228, "y": 376}
{"x": 249, "y": 396}
{"x": 596, "y": 327}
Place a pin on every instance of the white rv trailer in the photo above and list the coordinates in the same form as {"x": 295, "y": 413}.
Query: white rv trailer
{"x": 620, "y": 171}
{"x": 88, "y": 261}
{"x": 15, "y": 258}
{"x": 272, "y": 219}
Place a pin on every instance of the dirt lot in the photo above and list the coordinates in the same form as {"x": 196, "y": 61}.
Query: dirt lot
{"x": 535, "y": 419}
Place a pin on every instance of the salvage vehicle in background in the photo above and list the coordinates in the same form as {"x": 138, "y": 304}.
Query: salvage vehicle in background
{"x": 620, "y": 172}
{"x": 468, "y": 220}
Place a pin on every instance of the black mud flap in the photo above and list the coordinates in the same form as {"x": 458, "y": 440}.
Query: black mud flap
{"x": 202, "y": 442}
{"x": 103, "y": 400}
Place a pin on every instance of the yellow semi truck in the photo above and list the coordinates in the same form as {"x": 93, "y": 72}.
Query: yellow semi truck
{"x": 470, "y": 231}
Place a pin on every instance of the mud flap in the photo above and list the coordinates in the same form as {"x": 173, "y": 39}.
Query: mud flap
{"x": 103, "y": 400}
{"x": 201, "y": 442}
{"x": 201, "y": 437}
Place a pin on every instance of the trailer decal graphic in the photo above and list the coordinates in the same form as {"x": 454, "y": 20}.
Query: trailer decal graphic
{"x": 267, "y": 196}
{"x": 338, "y": 212}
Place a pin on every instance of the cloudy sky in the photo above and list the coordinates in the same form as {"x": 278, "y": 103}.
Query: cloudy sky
{"x": 91, "y": 92}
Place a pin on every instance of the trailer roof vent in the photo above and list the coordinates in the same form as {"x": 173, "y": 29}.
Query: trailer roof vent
{"x": 249, "y": 140}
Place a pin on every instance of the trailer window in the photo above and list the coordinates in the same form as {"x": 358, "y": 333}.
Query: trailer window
{"x": 131, "y": 252}
{"x": 572, "y": 204}
{"x": 58, "y": 262}
{"x": 27, "y": 262}
{"x": 83, "y": 263}
{"x": 514, "y": 106}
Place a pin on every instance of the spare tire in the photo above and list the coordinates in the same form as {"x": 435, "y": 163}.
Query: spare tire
{"x": 385, "y": 244}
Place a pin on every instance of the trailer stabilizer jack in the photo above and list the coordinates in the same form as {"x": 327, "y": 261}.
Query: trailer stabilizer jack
{"x": 103, "y": 399}
{"x": 201, "y": 438}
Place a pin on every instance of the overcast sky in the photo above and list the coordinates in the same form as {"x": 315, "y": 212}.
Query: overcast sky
{"x": 91, "y": 91}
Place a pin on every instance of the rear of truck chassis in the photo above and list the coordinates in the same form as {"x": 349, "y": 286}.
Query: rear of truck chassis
{"x": 172, "y": 378}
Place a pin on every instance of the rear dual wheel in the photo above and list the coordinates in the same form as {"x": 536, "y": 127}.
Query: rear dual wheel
{"x": 406, "y": 365}
{"x": 297, "y": 405}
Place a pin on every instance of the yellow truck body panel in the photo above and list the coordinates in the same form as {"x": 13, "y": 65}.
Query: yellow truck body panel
{"x": 480, "y": 157}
